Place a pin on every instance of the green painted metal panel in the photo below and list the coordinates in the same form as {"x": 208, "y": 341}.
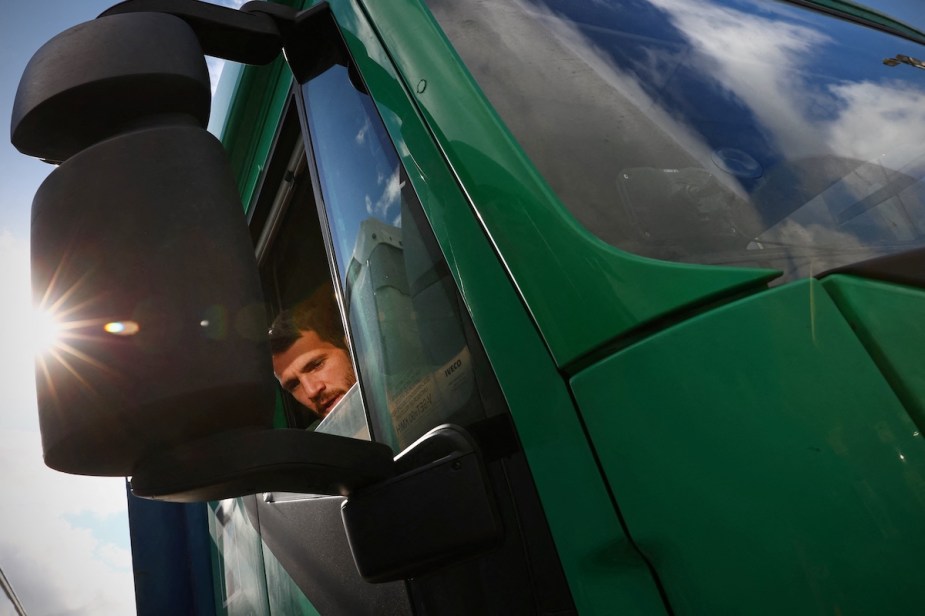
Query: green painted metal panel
{"x": 253, "y": 115}
{"x": 582, "y": 292}
{"x": 762, "y": 462}
{"x": 890, "y": 322}
{"x": 252, "y": 120}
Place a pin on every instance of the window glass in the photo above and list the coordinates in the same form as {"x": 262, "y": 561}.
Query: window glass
{"x": 310, "y": 351}
{"x": 240, "y": 578}
{"x": 711, "y": 131}
{"x": 416, "y": 363}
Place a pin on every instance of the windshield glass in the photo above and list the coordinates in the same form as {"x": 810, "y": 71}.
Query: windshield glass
{"x": 736, "y": 132}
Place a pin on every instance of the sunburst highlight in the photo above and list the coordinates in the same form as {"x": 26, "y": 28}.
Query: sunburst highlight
{"x": 46, "y": 332}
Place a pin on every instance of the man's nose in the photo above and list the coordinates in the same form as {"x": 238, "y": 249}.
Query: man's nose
{"x": 312, "y": 386}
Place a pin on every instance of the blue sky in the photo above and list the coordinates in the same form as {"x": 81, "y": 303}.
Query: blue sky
{"x": 64, "y": 546}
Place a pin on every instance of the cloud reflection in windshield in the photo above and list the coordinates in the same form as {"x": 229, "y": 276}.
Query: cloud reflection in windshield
{"x": 813, "y": 140}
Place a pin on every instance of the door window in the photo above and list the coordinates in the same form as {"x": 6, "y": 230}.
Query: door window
{"x": 357, "y": 288}
{"x": 311, "y": 357}
{"x": 414, "y": 356}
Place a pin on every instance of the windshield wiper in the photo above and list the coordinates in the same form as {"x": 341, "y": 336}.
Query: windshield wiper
{"x": 866, "y": 16}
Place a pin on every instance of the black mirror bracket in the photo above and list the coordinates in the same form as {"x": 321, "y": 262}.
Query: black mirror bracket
{"x": 253, "y": 34}
{"x": 239, "y": 462}
{"x": 438, "y": 510}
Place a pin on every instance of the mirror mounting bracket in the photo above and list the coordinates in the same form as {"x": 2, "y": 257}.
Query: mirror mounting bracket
{"x": 233, "y": 463}
{"x": 254, "y": 34}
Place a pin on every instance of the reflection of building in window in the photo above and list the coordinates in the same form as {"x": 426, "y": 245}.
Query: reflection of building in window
{"x": 405, "y": 320}
{"x": 239, "y": 549}
{"x": 410, "y": 346}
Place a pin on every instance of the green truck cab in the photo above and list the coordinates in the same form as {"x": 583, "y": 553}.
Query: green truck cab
{"x": 633, "y": 293}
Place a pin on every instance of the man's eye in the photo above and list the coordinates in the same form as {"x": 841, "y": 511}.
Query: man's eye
{"x": 291, "y": 386}
{"x": 314, "y": 365}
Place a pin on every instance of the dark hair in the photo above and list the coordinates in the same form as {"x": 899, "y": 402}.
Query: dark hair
{"x": 318, "y": 313}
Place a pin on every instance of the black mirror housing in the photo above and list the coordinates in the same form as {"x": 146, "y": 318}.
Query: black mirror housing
{"x": 140, "y": 249}
{"x": 107, "y": 76}
{"x": 141, "y": 252}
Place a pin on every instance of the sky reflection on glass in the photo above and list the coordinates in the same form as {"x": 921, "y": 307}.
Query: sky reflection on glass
{"x": 726, "y": 131}
{"x": 357, "y": 165}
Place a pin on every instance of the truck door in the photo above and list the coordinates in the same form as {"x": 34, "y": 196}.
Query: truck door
{"x": 336, "y": 210}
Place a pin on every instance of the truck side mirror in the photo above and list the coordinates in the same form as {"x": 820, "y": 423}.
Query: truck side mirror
{"x": 141, "y": 251}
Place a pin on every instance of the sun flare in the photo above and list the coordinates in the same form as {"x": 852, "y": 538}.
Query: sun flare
{"x": 46, "y": 331}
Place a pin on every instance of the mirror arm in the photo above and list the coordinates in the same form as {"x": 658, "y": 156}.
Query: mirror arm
{"x": 238, "y": 462}
{"x": 255, "y": 34}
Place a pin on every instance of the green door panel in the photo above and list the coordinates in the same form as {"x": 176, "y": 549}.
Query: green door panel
{"x": 762, "y": 462}
{"x": 582, "y": 292}
{"x": 890, "y": 322}
{"x": 252, "y": 120}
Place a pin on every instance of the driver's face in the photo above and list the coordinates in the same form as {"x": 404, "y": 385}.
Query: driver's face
{"x": 316, "y": 372}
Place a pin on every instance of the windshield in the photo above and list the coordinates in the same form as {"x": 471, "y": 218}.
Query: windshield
{"x": 735, "y": 132}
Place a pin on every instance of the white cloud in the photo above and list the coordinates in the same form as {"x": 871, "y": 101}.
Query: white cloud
{"x": 757, "y": 60}
{"x": 391, "y": 194}
{"x": 54, "y": 566}
{"x": 17, "y": 391}
{"x": 761, "y": 61}
{"x": 361, "y": 135}
{"x": 118, "y": 558}
{"x": 216, "y": 66}
{"x": 875, "y": 118}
